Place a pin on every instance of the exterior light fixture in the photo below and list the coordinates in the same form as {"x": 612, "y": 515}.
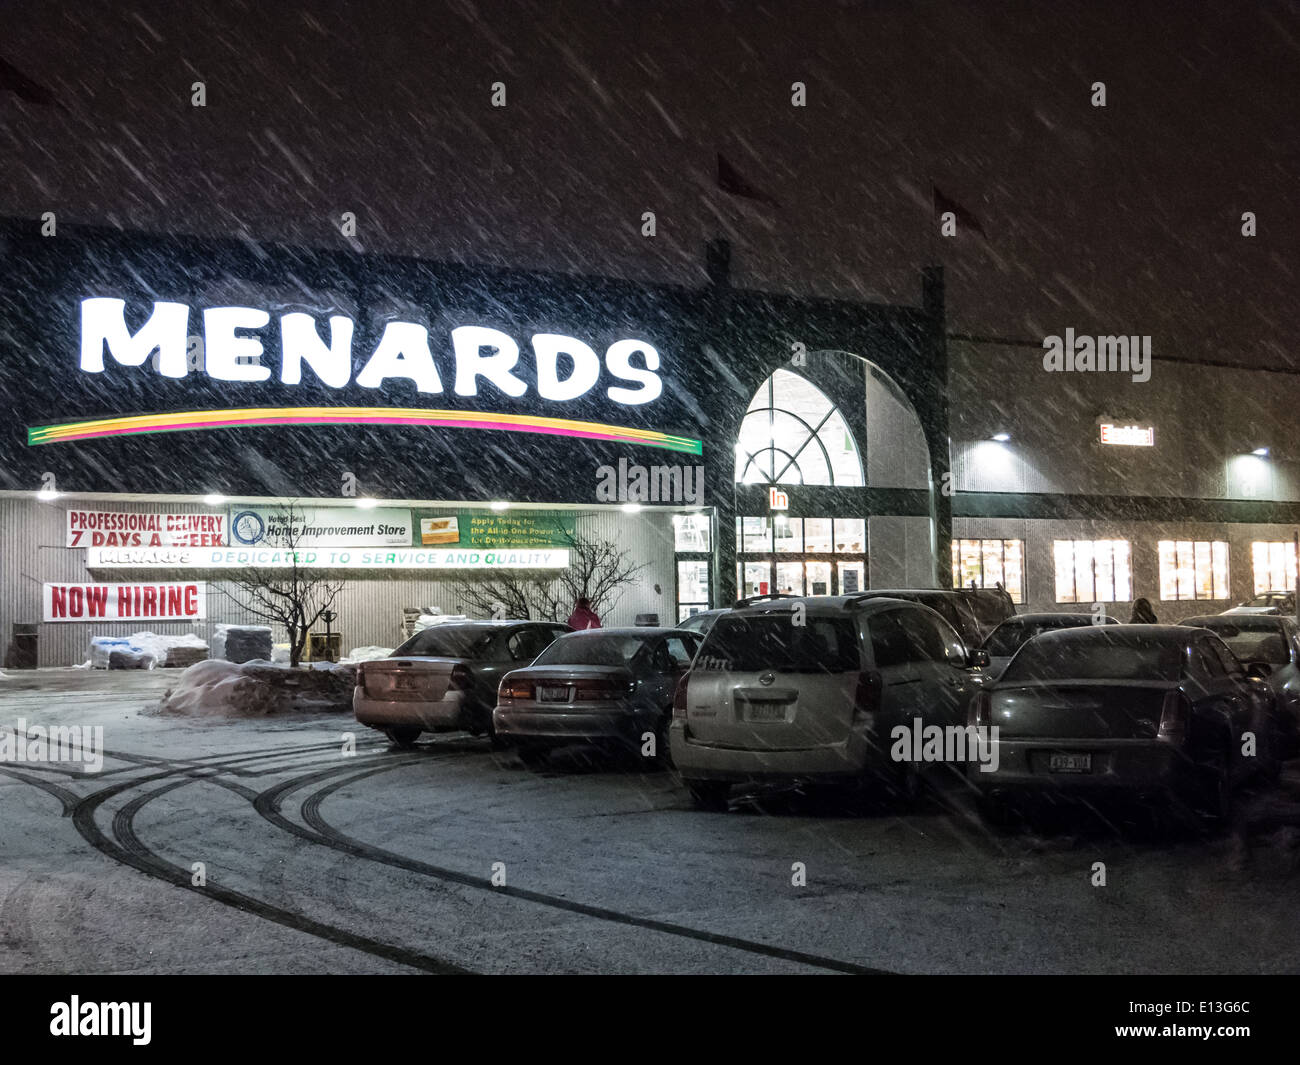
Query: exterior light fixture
{"x": 1001, "y": 438}
{"x": 500, "y": 505}
{"x": 367, "y": 503}
{"x": 1262, "y": 452}
{"x": 631, "y": 508}
{"x": 212, "y": 499}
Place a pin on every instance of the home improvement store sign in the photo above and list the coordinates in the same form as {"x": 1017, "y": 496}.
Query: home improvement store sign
{"x": 303, "y": 527}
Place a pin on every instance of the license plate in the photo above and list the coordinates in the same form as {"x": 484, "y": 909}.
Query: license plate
{"x": 404, "y": 683}
{"x": 553, "y": 695}
{"x": 766, "y": 712}
{"x": 1070, "y": 763}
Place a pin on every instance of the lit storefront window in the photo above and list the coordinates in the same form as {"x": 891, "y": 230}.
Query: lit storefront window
{"x": 1274, "y": 564}
{"x": 792, "y": 556}
{"x": 1193, "y": 569}
{"x": 691, "y": 532}
{"x": 986, "y": 563}
{"x": 692, "y": 588}
{"x": 1093, "y": 571}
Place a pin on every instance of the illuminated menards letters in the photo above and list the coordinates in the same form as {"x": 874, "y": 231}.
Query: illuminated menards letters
{"x": 402, "y": 352}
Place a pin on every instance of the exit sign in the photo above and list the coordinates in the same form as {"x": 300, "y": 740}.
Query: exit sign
{"x": 1128, "y": 435}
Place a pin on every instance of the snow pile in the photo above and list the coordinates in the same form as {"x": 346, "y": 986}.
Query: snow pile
{"x": 242, "y": 643}
{"x": 366, "y": 654}
{"x": 255, "y": 689}
{"x": 223, "y": 689}
{"x": 427, "y": 621}
{"x": 143, "y": 650}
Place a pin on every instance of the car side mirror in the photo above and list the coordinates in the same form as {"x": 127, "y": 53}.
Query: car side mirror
{"x": 1259, "y": 670}
{"x": 978, "y": 659}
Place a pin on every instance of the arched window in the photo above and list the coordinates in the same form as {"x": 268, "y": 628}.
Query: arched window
{"x": 793, "y": 434}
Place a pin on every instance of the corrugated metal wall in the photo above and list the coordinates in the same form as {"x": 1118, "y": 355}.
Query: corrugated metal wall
{"x": 369, "y": 610}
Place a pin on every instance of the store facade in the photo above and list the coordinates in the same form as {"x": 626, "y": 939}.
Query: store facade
{"x": 176, "y": 403}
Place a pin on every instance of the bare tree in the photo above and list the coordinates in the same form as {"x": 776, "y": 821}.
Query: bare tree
{"x": 293, "y": 596}
{"x": 599, "y": 570}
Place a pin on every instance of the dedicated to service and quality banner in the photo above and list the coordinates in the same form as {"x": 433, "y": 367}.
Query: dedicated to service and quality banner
{"x": 119, "y": 528}
{"x": 490, "y": 530}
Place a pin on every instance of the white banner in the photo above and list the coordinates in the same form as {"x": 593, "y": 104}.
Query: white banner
{"x": 118, "y": 528}
{"x": 319, "y": 527}
{"x": 125, "y": 602}
{"x": 408, "y": 558}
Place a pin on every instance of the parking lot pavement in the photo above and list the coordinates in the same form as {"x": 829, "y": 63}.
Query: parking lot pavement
{"x": 271, "y": 845}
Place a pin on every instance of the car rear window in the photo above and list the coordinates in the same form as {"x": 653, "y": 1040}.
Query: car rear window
{"x": 1009, "y": 638}
{"x": 591, "y": 651}
{"x": 755, "y": 644}
{"x": 449, "y": 641}
{"x": 1252, "y": 641}
{"x": 1097, "y": 660}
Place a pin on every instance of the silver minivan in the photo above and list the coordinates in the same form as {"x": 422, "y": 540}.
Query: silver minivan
{"x": 813, "y": 688}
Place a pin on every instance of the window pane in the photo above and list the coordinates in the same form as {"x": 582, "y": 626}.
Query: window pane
{"x": 851, "y": 536}
{"x": 819, "y": 578}
{"x": 1220, "y": 569}
{"x": 1168, "y": 570}
{"x": 1084, "y": 583}
{"x": 817, "y": 536}
{"x": 1013, "y": 561}
{"x": 789, "y": 533}
{"x": 1123, "y": 571}
{"x": 693, "y": 582}
{"x": 853, "y": 577}
{"x": 789, "y": 578}
{"x": 757, "y": 579}
{"x": 1063, "y": 559}
{"x": 690, "y": 532}
{"x": 757, "y": 535}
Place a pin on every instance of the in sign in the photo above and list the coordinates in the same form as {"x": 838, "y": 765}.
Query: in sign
{"x": 777, "y": 499}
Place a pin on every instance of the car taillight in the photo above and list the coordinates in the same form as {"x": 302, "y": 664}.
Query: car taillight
{"x": 1175, "y": 714}
{"x": 515, "y": 689}
{"x": 866, "y": 699}
{"x": 679, "y": 696}
{"x": 461, "y": 678}
{"x": 981, "y": 710}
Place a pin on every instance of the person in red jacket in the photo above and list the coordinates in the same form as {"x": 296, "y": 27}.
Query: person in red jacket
{"x": 583, "y": 617}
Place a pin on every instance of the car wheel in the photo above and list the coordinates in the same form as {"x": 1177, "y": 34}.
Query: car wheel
{"x": 531, "y": 756}
{"x": 495, "y": 741}
{"x": 663, "y": 750}
{"x": 1216, "y": 798}
{"x": 709, "y": 794}
{"x": 997, "y": 811}
{"x": 404, "y": 735}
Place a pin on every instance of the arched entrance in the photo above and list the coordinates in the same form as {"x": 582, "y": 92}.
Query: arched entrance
{"x": 833, "y": 483}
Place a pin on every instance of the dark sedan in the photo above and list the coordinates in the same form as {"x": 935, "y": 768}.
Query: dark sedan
{"x": 445, "y": 677}
{"x": 1004, "y": 641}
{"x": 601, "y": 686}
{"x": 1270, "y": 643}
{"x": 1151, "y": 711}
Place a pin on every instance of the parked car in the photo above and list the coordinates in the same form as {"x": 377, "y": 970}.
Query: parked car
{"x": 1267, "y": 603}
{"x": 445, "y": 677}
{"x": 702, "y": 622}
{"x": 1150, "y": 711}
{"x": 1004, "y": 641}
{"x": 602, "y": 686}
{"x": 1271, "y": 642}
{"x": 973, "y": 612}
{"x": 810, "y": 688}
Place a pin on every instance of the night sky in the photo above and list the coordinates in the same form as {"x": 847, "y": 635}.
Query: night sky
{"x": 1122, "y": 219}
